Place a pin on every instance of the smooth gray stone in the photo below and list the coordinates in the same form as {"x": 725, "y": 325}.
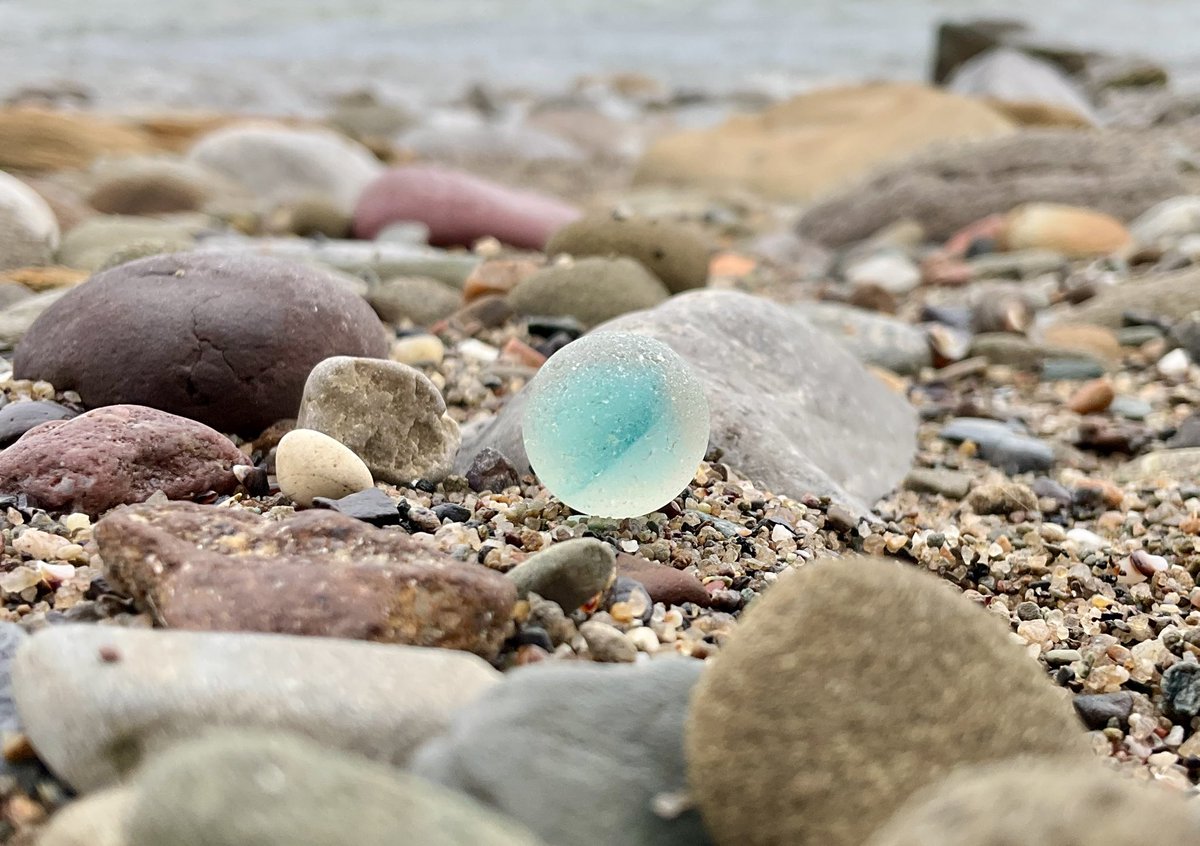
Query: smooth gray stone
{"x": 1016, "y": 77}
{"x": 1000, "y": 445}
{"x": 243, "y": 789}
{"x": 873, "y": 338}
{"x": 96, "y": 700}
{"x": 791, "y": 407}
{"x": 578, "y": 754}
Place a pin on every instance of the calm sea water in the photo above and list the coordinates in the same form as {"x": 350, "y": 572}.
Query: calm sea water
{"x": 293, "y": 54}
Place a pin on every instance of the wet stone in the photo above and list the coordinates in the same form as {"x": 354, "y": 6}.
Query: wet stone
{"x": 371, "y": 506}
{"x": 1097, "y": 710}
{"x": 491, "y": 471}
{"x": 1181, "y": 691}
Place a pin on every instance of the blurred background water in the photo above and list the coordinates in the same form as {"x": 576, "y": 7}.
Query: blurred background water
{"x": 292, "y": 55}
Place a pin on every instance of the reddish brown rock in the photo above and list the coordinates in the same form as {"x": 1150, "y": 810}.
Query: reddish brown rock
{"x": 664, "y": 583}
{"x": 498, "y": 276}
{"x": 1092, "y": 397}
{"x": 317, "y": 573}
{"x": 459, "y": 208}
{"x": 117, "y": 455}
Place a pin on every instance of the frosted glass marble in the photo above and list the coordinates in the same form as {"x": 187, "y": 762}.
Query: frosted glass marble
{"x": 616, "y": 424}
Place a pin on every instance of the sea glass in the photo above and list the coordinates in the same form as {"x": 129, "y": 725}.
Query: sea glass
{"x": 616, "y": 424}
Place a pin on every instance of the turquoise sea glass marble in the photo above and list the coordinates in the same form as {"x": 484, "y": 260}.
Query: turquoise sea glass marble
{"x": 616, "y": 424}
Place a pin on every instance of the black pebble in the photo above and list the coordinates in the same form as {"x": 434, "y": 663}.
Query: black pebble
{"x": 371, "y": 506}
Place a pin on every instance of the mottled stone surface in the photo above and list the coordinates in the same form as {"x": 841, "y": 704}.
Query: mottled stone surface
{"x": 595, "y": 747}
{"x": 224, "y": 339}
{"x": 317, "y": 573}
{"x": 873, "y": 338}
{"x": 823, "y": 736}
{"x": 569, "y": 573}
{"x": 388, "y": 413}
{"x": 791, "y": 407}
{"x": 28, "y": 229}
{"x": 615, "y": 424}
{"x": 243, "y": 788}
{"x": 97, "y": 700}
{"x": 117, "y": 455}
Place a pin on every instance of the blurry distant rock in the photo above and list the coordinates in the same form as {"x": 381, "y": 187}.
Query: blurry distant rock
{"x": 592, "y": 290}
{"x": 817, "y": 142}
{"x": 150, "y": 186}
{"x": 95, "y": 242}
{"x": 459, "y": 208}
{"x": 959, "y": 42}
{"x": 1067, "y": 230}
{"x": 1118, "y": 173}
{"x": 590, "y": 130}
{"x": 28, "y": 229}
{"x": 1172, "y": 297}
{"x": 279, "y": 164}
{"x": 873, "y": 338}
{"x": 40, "y": 140}
{"x": 477, "y": 142}
{"x": 16, "y": 318}
{"x": 363, "y": 116}
{"x": 422, "y": 300}
{"x": 1014, "y": 77}
{"x": 1167, "y": 222}
{"x": 791, "y": 409}
{"x": 675, "y": 253}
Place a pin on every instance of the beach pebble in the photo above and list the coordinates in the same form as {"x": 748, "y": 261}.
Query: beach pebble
{"x": 371, "y": 506}
{"x": 599, "y": 748}
{"x": 675, "y": 253}
{"x": 389, "y": 414}
{"x": 889, "y": 268}
{"x": 1092, "y": 397}
{"x": 907, "y": 711}
{"x": 152, "y": 186}
{"x": 309, "y": 464}
{"x": 117, "y": 455}
{"x": 592, "y": 290}
{"x": 146, "y": 690}
{"x": 607, "y": 644}
{"x": 569, "y": 573}
{"x": 1097, "y": 710}
{"x": 413, "y": 298}
{"x": 28, "y": 229}
{"x": 418, "y": 349}
{"x": 1052, "y": 803}
{"x": 1001, "y": 498}
{"x": 1166, "y": 223}
{"x": 238, "y": 788}
{"x": 316, "y": 573}
{"x": 98, "y": 819}
{"x": 1181, "y": 691}
{"x": 108, "y": 240}
{"x": 489, "y": 470}
{"x": 278, "y": 164}
{"x": 459, "y": 208}
{"x": 226, "y": 340}
{"x": 497, "y": 276}
{"x": 17, "y": 418}
{"x": 662, "y": 582}
{"x": 1175, "y": 364}
{"x": 873, "y": 338}
{"x": 951, "y": 484}
{"x": 12, "y": 636}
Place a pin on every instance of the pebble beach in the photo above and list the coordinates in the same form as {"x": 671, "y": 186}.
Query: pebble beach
{"x": 280, "y": 361}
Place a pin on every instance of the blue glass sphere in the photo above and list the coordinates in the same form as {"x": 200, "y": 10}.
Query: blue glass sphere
{"x": 616, "y": 424}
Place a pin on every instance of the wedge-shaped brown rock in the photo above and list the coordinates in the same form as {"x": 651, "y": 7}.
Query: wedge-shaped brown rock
{"x": 851, "y": 685}
{"x": 317, "y": 573}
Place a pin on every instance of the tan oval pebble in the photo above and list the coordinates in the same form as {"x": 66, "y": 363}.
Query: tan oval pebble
{"x": 309, "y": 464}
{"x": 1093, "y": 397}
{"x": 1072, "y": 231}
{"x": 418, "y": 349}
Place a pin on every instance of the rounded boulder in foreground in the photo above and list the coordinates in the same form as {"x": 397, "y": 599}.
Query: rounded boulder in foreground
{"x": 228, "y": 340}
{"x": 1042, "y": 803}
{"x": 851, "y": 685}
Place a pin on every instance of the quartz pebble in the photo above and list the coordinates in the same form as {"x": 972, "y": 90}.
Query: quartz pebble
{"x": 310, "y": 464}
{"x": 616, "y": 424}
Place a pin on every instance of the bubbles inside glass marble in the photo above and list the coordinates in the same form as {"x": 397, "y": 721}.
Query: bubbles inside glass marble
{"x": 616, "y": 424}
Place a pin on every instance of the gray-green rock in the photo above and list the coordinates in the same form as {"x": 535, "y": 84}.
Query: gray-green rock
{"x": 95, "y": 701}
{"x": 598, "y": 747}
{"x": 951, "y": 484}
{"x": 93, "y": 243}
{"x": 674, "y": 253}
{"x": 1177, "y": 465}
{"x": 569, "y": 573}
{"x": 236, "y": 789}
{"x": 422, "y": 300}
{"x": 1172, "y": 296}
{"x": 873, "y": 338}
{"x": 592, "y": 290}
{"x": 1049, "y": 802}
{"x": 388, "y": 413}
{"x": 16, "y": 319}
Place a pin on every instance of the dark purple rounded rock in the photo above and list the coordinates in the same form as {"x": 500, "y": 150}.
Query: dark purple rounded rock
{"x": 224, "y": 339}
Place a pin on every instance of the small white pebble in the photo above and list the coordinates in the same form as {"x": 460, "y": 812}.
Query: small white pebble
{"x": 1174, "y": 364}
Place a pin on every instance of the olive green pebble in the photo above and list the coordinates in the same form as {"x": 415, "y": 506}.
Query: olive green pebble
{"x": 673, "y": 252}
{"x": 850, "y": 685}
{"x": 592, "y": 290}
{"x": 1042, "y": 803}
{"x": 244, "y": 789}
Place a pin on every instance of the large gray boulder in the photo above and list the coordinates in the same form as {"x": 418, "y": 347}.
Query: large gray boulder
{"x": 579, "y": 754}
{"x": 791, "y": 407}
{"x": 945, "y": 188}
